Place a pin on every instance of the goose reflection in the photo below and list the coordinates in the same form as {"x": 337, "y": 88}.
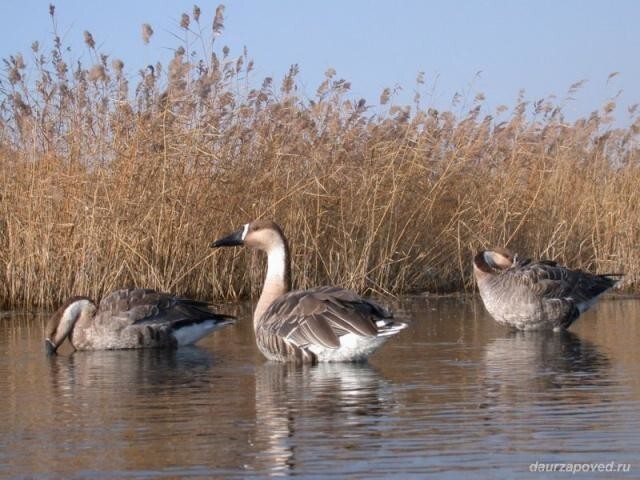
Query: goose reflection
{"x": 141, "y": 398}
{"x": 523, "y": 364}
{"x": 130, "y": 372}
{"x": 298, "y": 404}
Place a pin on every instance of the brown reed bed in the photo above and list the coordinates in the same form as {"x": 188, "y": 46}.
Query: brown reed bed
{"x": 109, "y": 181}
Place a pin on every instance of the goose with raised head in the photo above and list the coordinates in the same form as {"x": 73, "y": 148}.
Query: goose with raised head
{"x": 539, "y": 295}
{"x": 321, "y": 324}
{"x": 131, "y": 318}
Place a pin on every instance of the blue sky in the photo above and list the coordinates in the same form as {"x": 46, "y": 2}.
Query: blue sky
{"x": 541, "y": 46}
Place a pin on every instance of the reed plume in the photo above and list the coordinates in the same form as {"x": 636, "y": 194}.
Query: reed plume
{"x": 106, "y": 184}
{"x": 147, "y": 32}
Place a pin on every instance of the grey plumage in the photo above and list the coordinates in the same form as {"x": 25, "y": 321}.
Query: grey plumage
{"x": 318, "y": 316}
{"x": 535, "y": 295}
{"x": 132, "y": 318}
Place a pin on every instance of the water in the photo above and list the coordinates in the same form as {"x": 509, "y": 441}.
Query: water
{"x": 453, "y": 395}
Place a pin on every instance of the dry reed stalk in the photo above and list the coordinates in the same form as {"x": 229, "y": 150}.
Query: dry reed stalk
{"x": 102, "y": 187}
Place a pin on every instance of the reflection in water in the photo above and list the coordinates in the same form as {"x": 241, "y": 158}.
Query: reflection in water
{"x": 126, "y": 396}
{"x": 147, "y": 369}
{"x": 454, "y": 395}
{"x": 535, "y": 381}
{"x": 296, "y": 402}
{"x": 526, "y": 362}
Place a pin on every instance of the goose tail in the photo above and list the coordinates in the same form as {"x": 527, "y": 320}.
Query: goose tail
{"x": 387, "y": 328}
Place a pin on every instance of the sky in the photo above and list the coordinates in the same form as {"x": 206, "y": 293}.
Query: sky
{"x": 495, "y": 47}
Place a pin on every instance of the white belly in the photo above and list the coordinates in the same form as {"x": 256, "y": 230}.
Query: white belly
{"x": 353, "y": 348}
{"x": 192, "y": 333}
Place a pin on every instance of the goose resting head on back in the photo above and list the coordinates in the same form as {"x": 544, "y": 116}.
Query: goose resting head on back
{"x": 131, "y": 318}
{"x": 529, "y": 295}
{"x": 319, "y": 324}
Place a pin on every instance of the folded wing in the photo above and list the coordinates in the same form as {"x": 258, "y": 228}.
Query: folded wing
{"x": 551, "y": 281}
{"x": 321, "y": 315}
{"x": 144, "y": 307}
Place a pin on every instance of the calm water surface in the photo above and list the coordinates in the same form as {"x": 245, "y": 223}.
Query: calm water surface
{"x": 454, "y": 395}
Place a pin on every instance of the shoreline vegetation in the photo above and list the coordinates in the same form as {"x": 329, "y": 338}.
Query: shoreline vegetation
{"x": 111, "y": 179}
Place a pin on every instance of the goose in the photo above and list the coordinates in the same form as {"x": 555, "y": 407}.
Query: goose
{"x": 321, "y": 324}
{"x": 131, "y": 318}
{"x": 539, "y": 295}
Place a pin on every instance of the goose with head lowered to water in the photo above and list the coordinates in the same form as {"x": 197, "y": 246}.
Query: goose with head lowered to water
{"x": 131, "y": 318}
{"x": 529, "y": 295}
{"x": 321, "y": 324}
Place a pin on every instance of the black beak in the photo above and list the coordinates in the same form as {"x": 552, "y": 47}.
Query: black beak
{"x": 49, "y": 347}
{"x": 233, "y": 240}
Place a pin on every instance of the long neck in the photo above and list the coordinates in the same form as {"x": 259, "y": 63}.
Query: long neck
{"x": 278, "y": 280}
{"x": 481, "y": 268}
{"x": 75, "y": 314}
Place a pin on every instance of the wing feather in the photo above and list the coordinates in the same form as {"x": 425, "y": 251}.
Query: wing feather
{"x": 321, "y": 315}
{"x": 315, "y": 330}
{"x": 137, "y": 306}
{"x": 549, "y": 280}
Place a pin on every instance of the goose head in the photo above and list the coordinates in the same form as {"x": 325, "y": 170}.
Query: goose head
{"x": 267, "y": 236}
{"x": 63, "y": 320}
{"x": 262, "y": 235}
{"x": 492, "y": 261}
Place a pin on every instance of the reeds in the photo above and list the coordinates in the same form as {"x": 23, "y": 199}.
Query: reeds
{"x": 106, "y": 184}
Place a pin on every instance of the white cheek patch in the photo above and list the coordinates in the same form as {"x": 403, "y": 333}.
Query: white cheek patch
{"x": 245, "y": 230}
